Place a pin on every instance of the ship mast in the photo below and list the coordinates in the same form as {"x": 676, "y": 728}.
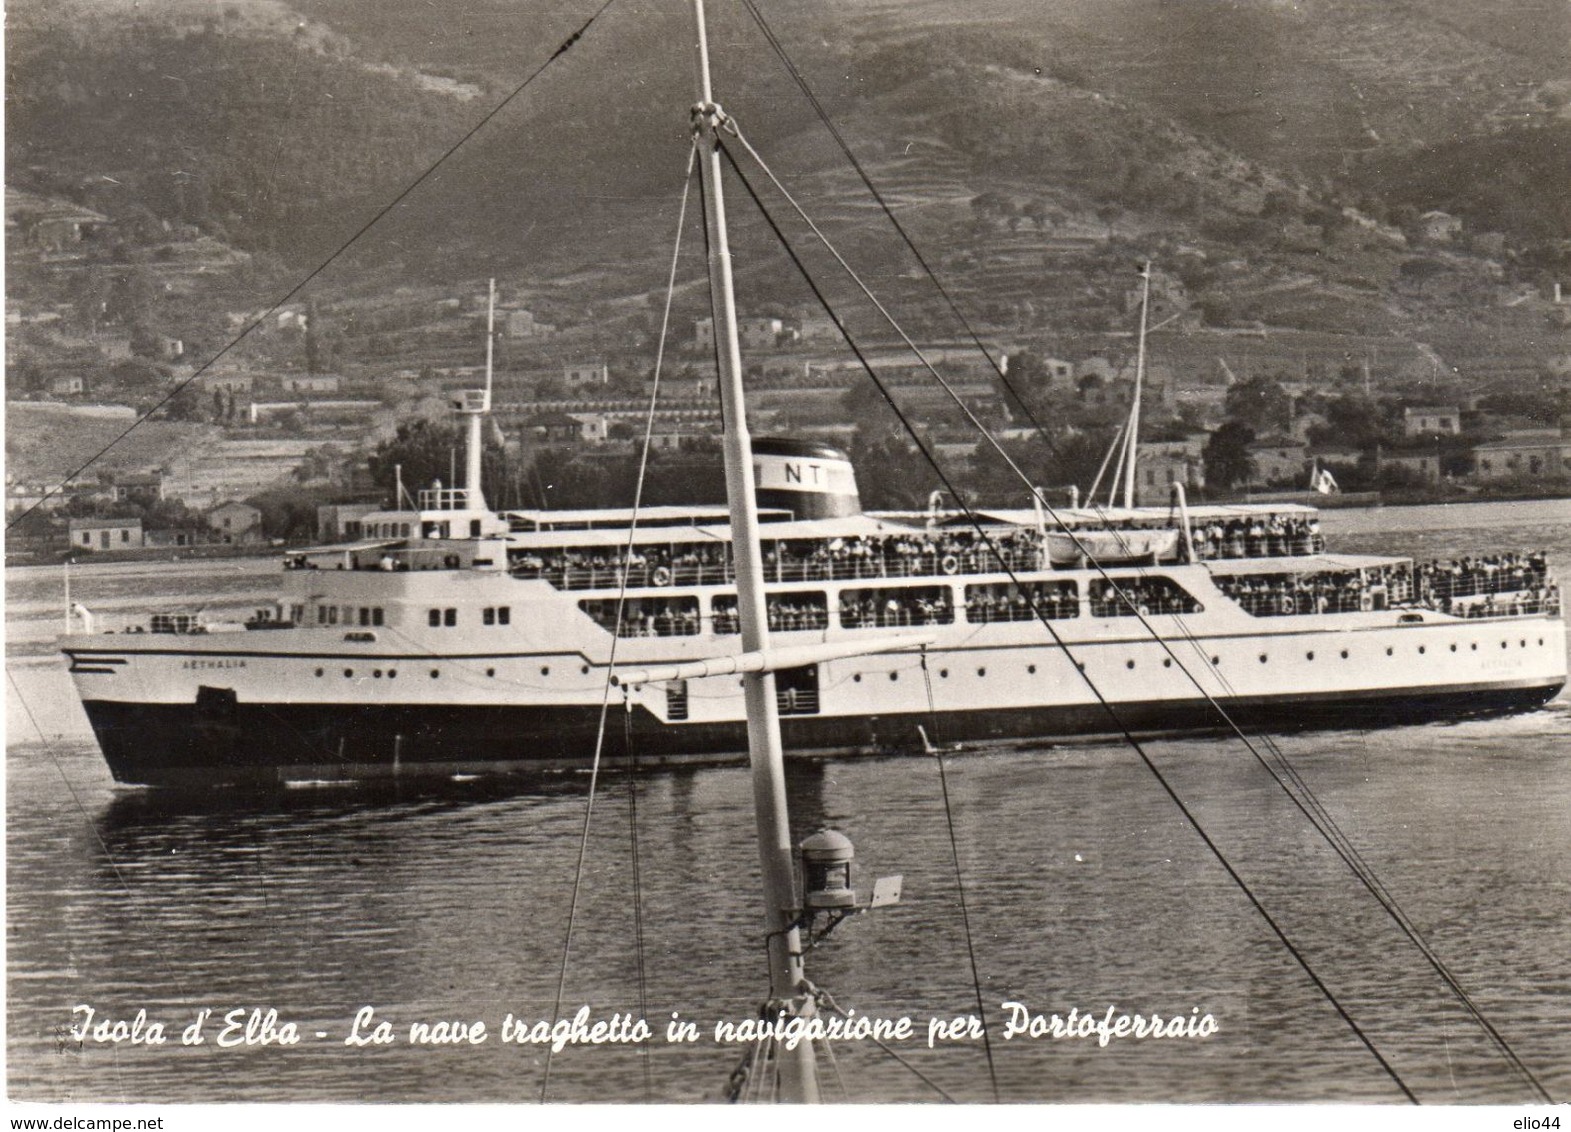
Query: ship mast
{"x": 1132, "y": 436}
{"x": 798, "y": 1073}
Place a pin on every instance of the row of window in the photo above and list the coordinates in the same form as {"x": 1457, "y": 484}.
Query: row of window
{"x": 896, "y": 607}
{"x": 366, "y": 615}
{"x": 448, "y": 618}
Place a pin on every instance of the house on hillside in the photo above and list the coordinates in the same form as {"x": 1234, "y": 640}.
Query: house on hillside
{"x": 1057, "y": 370}
{"x": 593, "y": 428}
{"x": 1432, "y": 420}
{"x": 1163, "y": 463}
{"x": 1277, "y": 459}
{"x": 1168, "y": 298}
{"x": 1524, "y": 454}
{"x": 555, "y": 428}
{"x": 236, "y": 523}
{"x": 586, "y": 375}
{"x": 758, "y": 333}
{"x": 310, "y": 383}
{"x": 105, "y": 534}
{"x": 524, "y": 324}
{"x": 139, "y": 485}
{"x": 228, "y": 382}
{"x": 70, "y": 385}
{"x": 56, "y": 226}
{"x": 784, "y": 368}
{"x": 688, "y": 386}
{"x": 812, "y": 329}
{"x": 704, "y": 335}
{"x": 1439, "y": 227}
{"x": 1423, "y": 466}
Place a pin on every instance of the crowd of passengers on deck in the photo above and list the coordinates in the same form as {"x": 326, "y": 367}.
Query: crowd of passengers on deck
{"x": 1268, "y": 536}
{"x": 895, "y": 608}
{"x": 904, "y": 555}
{"x": 1510, "y": 584}
{"x": 1056, "y": 601}
{"x": 1125, "y": 597}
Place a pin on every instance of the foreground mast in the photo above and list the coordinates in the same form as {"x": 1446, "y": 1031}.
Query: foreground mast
{"x": 798, "y": 1074}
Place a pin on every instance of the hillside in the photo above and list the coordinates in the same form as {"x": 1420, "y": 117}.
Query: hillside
{"x": 1269, "y": 151}
{"x": 288, "y": 128}
{"x": 46, "y": 442}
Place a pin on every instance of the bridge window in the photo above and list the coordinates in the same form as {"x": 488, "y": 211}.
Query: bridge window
{"x": 1006, "y": 601}
{"x": 497, "y": 615}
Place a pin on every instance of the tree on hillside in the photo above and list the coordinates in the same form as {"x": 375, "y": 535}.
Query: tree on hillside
{"x": 1108, "y": 214}
{"x": 288, "y": 512}
{"x": 1227, "y": 459}
{"x": 865, "y": 405}
{"x": 184, "y": 405}
{"x": 424, "y": 450}
{"x": 890, "y": 472}
{"x": 1261, "y": 403}
{"x": 1354, "y": 420}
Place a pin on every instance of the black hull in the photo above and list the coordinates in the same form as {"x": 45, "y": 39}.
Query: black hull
{"x": 266, "y": 745}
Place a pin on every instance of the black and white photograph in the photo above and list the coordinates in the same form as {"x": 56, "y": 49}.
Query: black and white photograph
{"x": 878, "y": 552}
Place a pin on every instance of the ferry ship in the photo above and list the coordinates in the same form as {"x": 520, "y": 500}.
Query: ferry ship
{"x": 453, "y": 639}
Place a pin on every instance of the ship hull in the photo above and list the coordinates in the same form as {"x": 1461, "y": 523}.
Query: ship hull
{"x": 190, "y": 745}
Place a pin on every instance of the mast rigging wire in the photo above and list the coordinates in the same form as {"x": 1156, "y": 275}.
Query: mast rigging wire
{"x": 631, "y": 755}
{"x": 954, "y": 307}
{"x": 960, "y": 888}
{"x": 402, "y": 195}
{"x": 1106, "y": 705}
{"x": 616, "y": 636}
{"x": 1354, "y": 861}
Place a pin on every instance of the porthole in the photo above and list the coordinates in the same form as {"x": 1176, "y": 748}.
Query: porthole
{"x": 1524, "y": 644}
{"x": 857, "y": 679}
{"x": 392, "y": 673}
{"x": 1390, "y": 651}
{"x": 1505, "y": 644}
{"x": 1473, "y": 646}
{"x": 1453, "y": 648}
{"x": 894, "y": 676}
{"x": 1263, "y": 658}
{"x": 981, "y": 672}
{"x": 435, "y": 672}
{"x": 1080, "y": 664}
{"x": 1167, "y": 662}
{"x": 1309, "y": 655}
{"x": 943, "y": 673}
{"x": 1031, "y": 669}
{"x": 319, "y": 672}
{"x": 490, "y": 672}
{"x": 583, "y": 670}
{"x": 1540, "y": 642}
{"x": 1422, "y": 650}
{"x": 1129, "y": 664}
{"x": 377, "y": 672}
{"x": 545, "y": 670}
{"x": 1344, "y": 654}
{"x": 1216, "y": 660}
{"x": 349, "y": 672}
